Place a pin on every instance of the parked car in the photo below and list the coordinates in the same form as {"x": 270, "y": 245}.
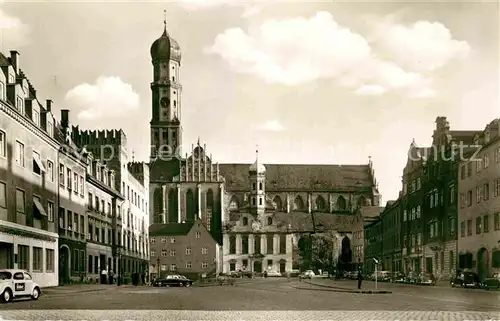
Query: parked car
{"x": 16, "y": 284}
{"x": 240, "y": 274}
{"x": 173, "y": 280}
{"x": 307, "y": 274}
{"x": 273, "y": 274}
{"x": 492, "y": 282}
{"x": 466, "y": 280}
{"x": 426, "y": 278}
{"x": 412, "y": 278}
{"x": 398, "y": 277}
{"x": 293, "y": 273}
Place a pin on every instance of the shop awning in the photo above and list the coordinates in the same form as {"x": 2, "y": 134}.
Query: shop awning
{"x": 39, "y": 162}
{"x": 39, "y": 207}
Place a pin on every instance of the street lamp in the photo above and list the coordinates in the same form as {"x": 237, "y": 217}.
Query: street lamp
{"x": 376, "y": 263}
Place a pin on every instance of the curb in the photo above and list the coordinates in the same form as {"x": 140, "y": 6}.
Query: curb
{"x": 217, "y": 284}
{"x": 327, "y": 288}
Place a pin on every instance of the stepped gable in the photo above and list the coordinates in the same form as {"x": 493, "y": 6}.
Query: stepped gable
{"x": 282, "y": 177}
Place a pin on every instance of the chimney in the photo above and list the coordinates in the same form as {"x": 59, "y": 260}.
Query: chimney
{"x": 14, "y": 60}
{"x": 65, "y": 118}
{"x": 49, "y": 106}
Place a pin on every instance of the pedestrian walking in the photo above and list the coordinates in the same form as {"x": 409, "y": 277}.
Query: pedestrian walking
{"x": 111, "y": 275}
{"x": 360, "y": 279}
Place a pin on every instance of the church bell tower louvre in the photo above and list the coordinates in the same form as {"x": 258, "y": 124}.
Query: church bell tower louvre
{"x": 166, "y": 129}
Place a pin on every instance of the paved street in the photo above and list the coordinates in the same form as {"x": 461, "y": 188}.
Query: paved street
{"x": 271, "y": 296}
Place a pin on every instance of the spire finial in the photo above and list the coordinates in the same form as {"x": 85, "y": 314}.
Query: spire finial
{"x": 133, "y": 155}
{"x": 257, "y": 152}
{"x": 165, "y": 20}
{"x": 198, "y": 140}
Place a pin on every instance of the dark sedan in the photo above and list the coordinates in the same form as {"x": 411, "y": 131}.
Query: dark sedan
{"x": 492, "y": 282}
{"x": 466, "y": 280}
{"x": 173, "y": 280}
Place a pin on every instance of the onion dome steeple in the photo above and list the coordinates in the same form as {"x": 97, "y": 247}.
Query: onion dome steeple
{"x": 165, "y": 47}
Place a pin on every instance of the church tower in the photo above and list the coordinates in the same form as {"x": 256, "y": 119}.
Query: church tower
{"x": 257, "y": 175}
{"x": 166, "y": 129}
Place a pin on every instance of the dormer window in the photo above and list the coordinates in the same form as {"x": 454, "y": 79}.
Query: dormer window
{"x": 11, "y": 79}
{"x": 104, "y": 177}
{"x": 50, "y": 129}
{"x": 97, "y": 172}
{"x": 36, "y": 117}
{"x": 20, "y": 105}
{"x": 2, "y": 91}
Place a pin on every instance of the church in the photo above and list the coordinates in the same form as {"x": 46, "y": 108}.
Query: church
{"x": 256, "y": 212}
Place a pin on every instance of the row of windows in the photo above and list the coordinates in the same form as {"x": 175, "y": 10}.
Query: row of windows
{"x": 415, "y": 213}
{"x": 482, "y": 163}
{"x": 482, "y": 225}
{"x": 72, "y": 181}
{"x": 189, "y": 251}
{"x": 482, "y": 193}
{"x": 299, "y": 204}
{"x": 414, "y": 240}
{"x": 71, "y": 221}
{"x": 21, "y": 203}
{"x": 23, "y": 257}
{"x": 171, "y": 239}
{"x": 245, "y": 245}
{"x": 189, "y": 265}
{"x": 412, "y": 187}
{"x": 35, "y": 114}
{"x": 134, "y": 197}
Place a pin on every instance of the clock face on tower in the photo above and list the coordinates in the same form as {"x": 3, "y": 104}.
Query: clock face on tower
{"x": 164, "y": 102}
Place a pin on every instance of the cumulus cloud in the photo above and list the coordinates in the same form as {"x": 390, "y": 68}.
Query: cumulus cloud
{"x": 271, "y": 125}
{"x": 250, "y": 7}
{"x": 293, "y": 51}
{"x": 107, "y": 97}
{"x": 15, "y": 33}
{"x": 371, "y": 90}
{"x": 423, "y": 46}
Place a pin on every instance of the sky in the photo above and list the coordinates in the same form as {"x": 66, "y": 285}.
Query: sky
{"x": 307, "y": 82}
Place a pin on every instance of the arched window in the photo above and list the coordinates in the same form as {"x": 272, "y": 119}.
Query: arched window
{"x": 341, "y": 204}
{"x": 298, "y": 204}
{"x": 269, "y": 221}
{"x": 277, "y": 203}
{"x": 233, "y": 204}
{"x": 320, "y": 203}
{"x": 190, "y": 206}
{"x": 173, "y": 216}
{"x": 158, "y": 202}
{"x": 245, "y": 221}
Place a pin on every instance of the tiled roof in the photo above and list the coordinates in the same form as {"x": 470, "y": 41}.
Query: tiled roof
{"x": 173, "y": 229}
{"x": 465, "y": 136}
{"x": 300, "y": 177}
{"x": 302, "y": 222}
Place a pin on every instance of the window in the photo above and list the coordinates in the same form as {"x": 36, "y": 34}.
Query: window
{"x": 50, "y": 129}
{"x": 232, "y": 244}
{"x": 282, "y": 245}
{"x": 270, "y": 244}
{"x": 36, "y": 117}
{"x": 153, "y": 253}
{"x": 469, "y": 198}
{"x": 469, "y": 227}
{"x": 61, "y": 175}
{"x": 198, "y": 235}
{"x": 3, "y": 143}
{"x": 163, "y": 252}
{"x": 50, "y": 211}
{"x": 486, "y": 223}
{"x": 204, "y": 265}
{"x": 452, "y": 194}
{"x": 496, "y": 221}
{"x": 82, "y": 186}
{"x": 153, "y": 240}
{"x": 469, "y": 169}
{"x": 20, "y": 201}
{"x": 478, "y": 225}
{"x": 68, "y": 177}
{"x": 486, "y": 191}
{"x": 20, "y": 107}
{"x": 188, "y": 265}
{"x": 269, "y": 221}
{"x": 37, "y": 259}
{"x": 260, "y": 200}
{"x": 188, "y": 251}
{"x": 172, "y": 252}
{"x": 23, "y": 256}
{"x": 232, "y": 266}
{"x": 19, "y": 153}
{"x": 269, "y": 263}
{"x": 70, "y": 220}
{"x": 75, "y": 182}
{"x": 38, "y": 167}
{"x": 204, "y": 250}
{"x": 479, "y": 193}
{"x": 496, "y": 188}
{"x": 172, "y": 240}
{"x": 173, "y": 267}
{"x": 2, "y": 91}
{"x": 486, "y": 160}
{"x": 50, "y": 171}
{"x": 49, "y": 260}
{"x": 3, "y": 195}
{"x": 164, "y": 240}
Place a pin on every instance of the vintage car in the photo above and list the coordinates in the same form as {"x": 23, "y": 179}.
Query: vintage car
{"x": 306, "y": 275}
{"x": 240, "y": 274}
{"x": 17, "y": 284}
{"x": 273, "y": 274}
{"x": 173, "y": 280}
{"x": 426, "y": 278}
{"x": 492, "y": 282}
{"x": 398, "y": 277}
{"x": 466, "y": 279}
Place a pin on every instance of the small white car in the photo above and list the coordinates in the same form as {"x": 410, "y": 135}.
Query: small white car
{"x": 17, "y": 284}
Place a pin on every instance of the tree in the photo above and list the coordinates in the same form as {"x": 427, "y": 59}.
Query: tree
{"x": 315, "y": 251}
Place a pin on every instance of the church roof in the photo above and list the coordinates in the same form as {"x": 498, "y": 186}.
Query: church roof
{"x": 324, "y": 222}
{"x": 172, "y": 229}
{"x": 300, "y": 177}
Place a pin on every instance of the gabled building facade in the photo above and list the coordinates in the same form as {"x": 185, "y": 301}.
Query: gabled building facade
{"x": 28, "y": 177}
{"x": 479, "y": 203}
